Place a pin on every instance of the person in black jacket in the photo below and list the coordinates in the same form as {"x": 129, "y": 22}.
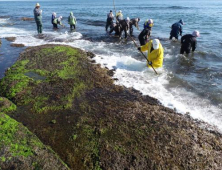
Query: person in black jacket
{"x": 189, "y": 41}
{"x": 145, "y": 33}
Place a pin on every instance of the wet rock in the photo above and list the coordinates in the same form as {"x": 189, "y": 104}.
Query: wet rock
{"x": 10, "y": 38}
{"x": 90, "y": 54}
{"x": 19, "y": 148}
{"x": 99, "y": 124}
{"x": 17, "y": 45}
{"x": 27, "y": 19}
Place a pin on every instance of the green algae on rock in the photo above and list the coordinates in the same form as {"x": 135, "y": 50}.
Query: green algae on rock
{"x": 73, "y": 106}
{"x": 19, "y": 148}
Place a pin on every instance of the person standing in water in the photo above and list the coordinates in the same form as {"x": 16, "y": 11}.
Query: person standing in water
{"x": 155, "y": 53}
{"x": 38, "y": 17}
{"x": 176, "y": 29}
{"x": 189, "y": 41}
{"x": 109, "y": 21}
{"x": 119, "y": 16}
{"x": 72, "y": 21}
{"x": 145, "y": 33}
{"x": 58, "y": 21}
{"x": 53, "y": 17}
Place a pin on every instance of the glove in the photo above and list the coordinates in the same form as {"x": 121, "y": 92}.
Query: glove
{"x": 139, "y": 48}
{"x": 150, "y": 63}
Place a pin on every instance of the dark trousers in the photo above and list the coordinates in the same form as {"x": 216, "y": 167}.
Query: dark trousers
{"x": 184, "y": 49}
{"x": 142, "y": 40}
{"x": 171, "y": 36}
{"x": 109, "y": 22}
{"x": 39, "y": 27}
{"x": 74, "y": 27}
{"x": 55, "y": 26}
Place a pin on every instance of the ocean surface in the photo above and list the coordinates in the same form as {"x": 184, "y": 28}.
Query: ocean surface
{"x": 190, "y": 83}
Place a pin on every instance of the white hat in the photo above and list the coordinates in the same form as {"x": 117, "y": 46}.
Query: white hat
{"x": 150, "y": 21}
{"x": 196, "y": 33}
{"x": 37, "y": 4}
{"x": 60, "y": 17}
{"x": 127, "y": 18}
{"x": 120, "y": 11}
{"x": 156, "y": 44}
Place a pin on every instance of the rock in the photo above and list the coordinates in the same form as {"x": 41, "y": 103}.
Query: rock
{"x": 19, "y": 148}
{"x": 17, "y": 45}
{"x": 10, "y": 38}
{"x": 27, "y": 19}
{"x": 100, "y": 125}
{"x": 90, "y": 54}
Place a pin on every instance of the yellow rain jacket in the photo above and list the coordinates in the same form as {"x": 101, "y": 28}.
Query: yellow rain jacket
{"x": 156, "y": 56}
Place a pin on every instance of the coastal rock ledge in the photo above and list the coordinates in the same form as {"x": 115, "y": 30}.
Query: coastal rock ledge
{"x": 72, "y": 105}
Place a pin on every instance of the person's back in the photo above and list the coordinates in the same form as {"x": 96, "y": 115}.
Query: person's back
{"x": 176, "y": 29}
{"x": 72, "y": 21}
{"x": 189, "y": 41}
{"x": 119, "y": 15}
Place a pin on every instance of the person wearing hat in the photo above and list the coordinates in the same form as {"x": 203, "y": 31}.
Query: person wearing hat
{"x": 145, "y": 33}
{"x": 72, "y": 21}
{"x": 57, "y": 21}
{"x": 119, "y": 16}
{"x": 176, "y": 29}
{"x": 53, "y": 17}
{"x": 110, "y": 18}
{"x": 38, "y": 17}
{"x": 189, "y": 41}
{"x": 155, "y": 53}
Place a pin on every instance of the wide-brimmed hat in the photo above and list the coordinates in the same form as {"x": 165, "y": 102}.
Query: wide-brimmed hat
{"x": 37, "y": 4}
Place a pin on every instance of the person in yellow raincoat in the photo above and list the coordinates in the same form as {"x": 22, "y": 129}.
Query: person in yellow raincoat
{"x": 155, "y": 53}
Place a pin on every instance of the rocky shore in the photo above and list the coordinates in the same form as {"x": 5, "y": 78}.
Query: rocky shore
{"x": 72, "y": 105}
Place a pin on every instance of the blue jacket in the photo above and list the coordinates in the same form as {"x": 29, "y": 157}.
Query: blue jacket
{"x": 176, "y": 29}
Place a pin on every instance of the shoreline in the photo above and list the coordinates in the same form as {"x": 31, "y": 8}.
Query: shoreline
{"x": 62, "y": 96}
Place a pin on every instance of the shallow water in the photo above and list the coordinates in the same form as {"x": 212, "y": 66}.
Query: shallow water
{"x": 186, "y": 83}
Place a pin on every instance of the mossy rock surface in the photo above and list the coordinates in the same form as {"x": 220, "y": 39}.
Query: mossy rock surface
{"x": 19, "y": 148}
{"x": 73, "y": 106}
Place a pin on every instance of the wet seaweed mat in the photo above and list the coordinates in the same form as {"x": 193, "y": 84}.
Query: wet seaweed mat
{"x": 73, "y": 106}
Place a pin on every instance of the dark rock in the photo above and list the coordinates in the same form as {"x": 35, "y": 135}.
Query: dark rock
{"x": 10, "y": 38}
{"x": 27, "y": 19}
{"x": 90, "y": 54}
{"x": 17, "y": 45}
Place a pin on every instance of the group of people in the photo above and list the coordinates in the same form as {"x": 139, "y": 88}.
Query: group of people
{"x": 54, "y": 20}
{"x": 154, "y": 47}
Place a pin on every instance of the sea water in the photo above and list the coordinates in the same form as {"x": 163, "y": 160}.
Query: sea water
{"x": 190, "y": 83}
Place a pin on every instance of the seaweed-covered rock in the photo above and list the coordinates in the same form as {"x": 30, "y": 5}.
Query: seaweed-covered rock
{"x": 73, "y": 106}
{"x": 19, "y": 148}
